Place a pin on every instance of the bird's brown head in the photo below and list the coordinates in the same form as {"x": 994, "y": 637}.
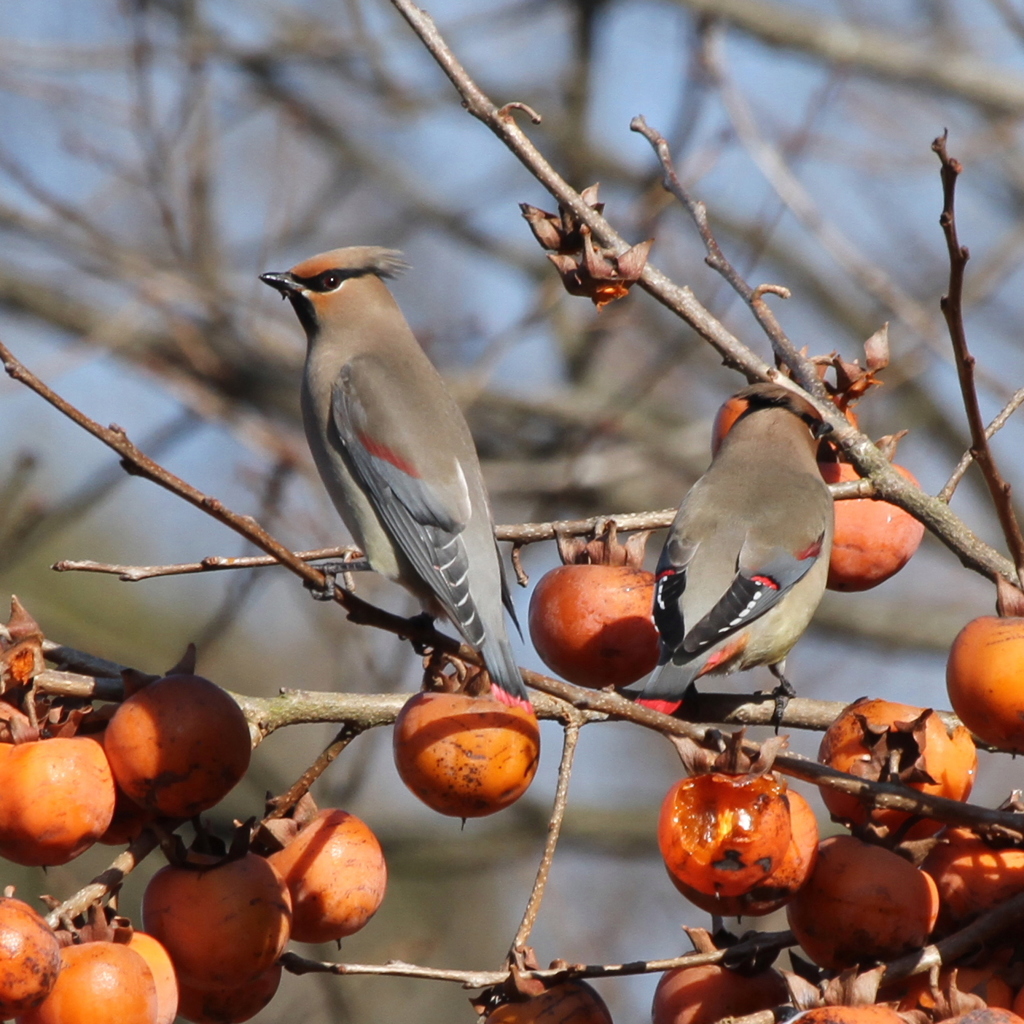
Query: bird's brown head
{"x": 775, "y": 396}
{"x": 316, "y": 285}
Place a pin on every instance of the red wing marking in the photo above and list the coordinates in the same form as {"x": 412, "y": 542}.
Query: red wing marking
{"x": 666, "y": 707}
{"x": 382, "y": 451}
{"x": 810, "y": 552}
{"x": 723, "y": 655}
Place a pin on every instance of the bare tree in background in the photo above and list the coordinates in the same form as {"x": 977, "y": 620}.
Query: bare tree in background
{"x": 155, "y": 157}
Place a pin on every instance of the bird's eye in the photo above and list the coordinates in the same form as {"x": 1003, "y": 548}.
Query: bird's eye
{"x": 329, "y": 280}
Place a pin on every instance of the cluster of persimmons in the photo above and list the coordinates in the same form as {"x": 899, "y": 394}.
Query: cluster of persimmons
{"x": 735, "y": 839}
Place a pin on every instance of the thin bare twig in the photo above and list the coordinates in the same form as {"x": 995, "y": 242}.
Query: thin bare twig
{"x": 569, "y": 741}
{"x": 952, "y": 309}
{"x": 990, "y": 431}
{"x": 212, "y": 563}
{"x": 107, "y": 881}
{"x": 760, "y": 942}
{"x": 284, "y": 803}
{"x": 784, "y": 349}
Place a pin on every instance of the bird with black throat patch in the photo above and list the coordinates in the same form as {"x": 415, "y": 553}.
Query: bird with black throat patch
{"x": 395, "y": 453}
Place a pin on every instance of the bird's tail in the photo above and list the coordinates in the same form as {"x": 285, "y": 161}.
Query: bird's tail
{"x": 665, "y": 688}
{"x": 506, "y": 679}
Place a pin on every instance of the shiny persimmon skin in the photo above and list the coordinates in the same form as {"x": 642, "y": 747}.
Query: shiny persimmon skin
{"x": 572, "y": 1002}
{"x": 986, "y": 1015}
{"x": 99, "y": 983}
{"x": 707, "y": 993}
{"x": 874, "y": 1014}
{"x": 972, "y": 876}
{"x": 29, "y": 958}
{"x": 862, "y": 903}
{"x": 231, "y": 1005}
{"x": 723, "y": 835}
{"x": 782, "y": 884}
{"x": 950, "y": 758}
{"x": 222, "y": 926}
{"x": 873, "y": 539}
{"x": 465, "y": 756}
{"x": 592, "y": 624}
{"x": 335, "y": 871}
{"x": 56, "y": 799}
{"x": 985, "y": 679}
{"x": 159, "y": 963}
{"x": 179, "y": 745}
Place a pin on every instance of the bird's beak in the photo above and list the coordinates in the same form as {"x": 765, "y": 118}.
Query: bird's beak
{"x": 822, "y": 430}
{"x": 284, "y": 283}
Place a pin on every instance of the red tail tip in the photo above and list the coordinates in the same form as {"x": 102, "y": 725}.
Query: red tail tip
{"x": 510, "y": 699}
{"x": 666, "y": 707}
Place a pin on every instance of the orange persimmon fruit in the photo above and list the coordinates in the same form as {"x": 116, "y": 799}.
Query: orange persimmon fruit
{"x": 162, "y": 969}
{"x": 334, "y": 869}
{"x": 781, "y": 885}
{"x": 706, "y": 993}
{"x": 985, "y": 679}
{"x": 465, "y": 756}
{"x": 29, "y": 958}
{"x": 724, "y": 835}
{"x": 222, "y": 925}
{"x": 229, "y": 1005}
{"x": 178, "y": 745}
{"x": 872, "y": 1014}
{"x": 873, "y": 539}
{"x": 571, "y": 1002}
{"x": 592, "y": 624}
{"x": 862, "y": 903}
{"x": 883, "y": 740}
{"x": 56, "y": 799}
{"x": 972, "y": 876}
{"x": 99, "y": 982}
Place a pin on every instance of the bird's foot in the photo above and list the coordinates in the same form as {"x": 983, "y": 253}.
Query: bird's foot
{"x": 782, "y": 693}
{"x": 424, "y": 620}
{"x": 331, "y": 571}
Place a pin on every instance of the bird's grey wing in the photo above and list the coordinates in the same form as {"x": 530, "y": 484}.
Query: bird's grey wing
{"x": 426, "y": 527}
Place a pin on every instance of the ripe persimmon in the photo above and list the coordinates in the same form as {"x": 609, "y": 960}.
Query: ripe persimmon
{"x": 722, "y": 834}
{"x": 592, "y": 624}
{"x": 162, "y": 969}
{"x": 985, "y": 679}
{"x": 873, "y": 540}
{"x": 872, "y": 1014}
{"x": 465, "y": 756}
{"x": 972, "y": 876}
{"x": 99, "y": 982}
{"x": 781, "y": 885}
{"x": 56, "y": 799}
{"x": 229, "y": 1005}
{"x": 571, "y": 1002}
{"x": 862, "y": 903}
{"x": 178, "y": 745}
{"x": 222, "y": 925}
{"x": 885, "y": 741}
{"x": 706, "y": 993}
{"x": 986, "y": 1015}
{"x": 335, "y": 871}
{"x": 29, "y": 958}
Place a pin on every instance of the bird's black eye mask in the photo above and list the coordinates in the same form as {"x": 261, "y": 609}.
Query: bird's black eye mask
{"x": 817, "y": 426}
{"x": 330, "y": 280}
